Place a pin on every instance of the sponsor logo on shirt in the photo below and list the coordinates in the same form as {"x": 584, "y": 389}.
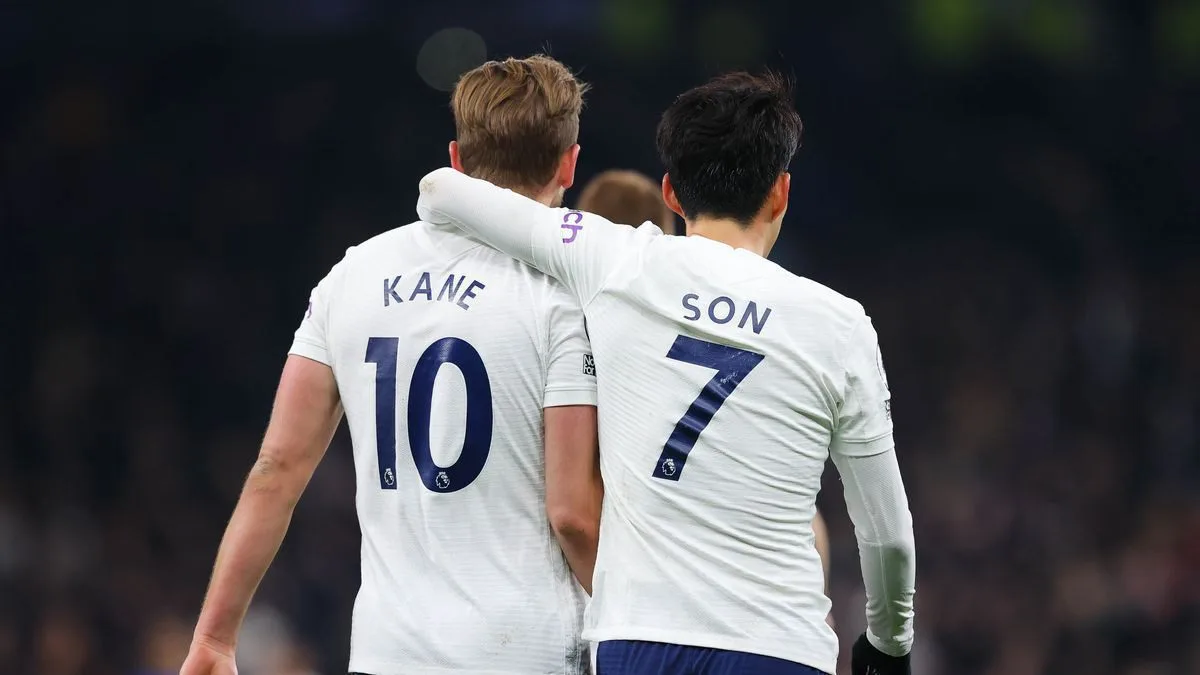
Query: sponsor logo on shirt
{"x": 589, "y": 365}
{"x": 570, "y": 225}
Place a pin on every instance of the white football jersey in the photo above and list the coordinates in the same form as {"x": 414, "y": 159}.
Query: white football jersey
{"x": 445, "y": 353}
{"x": 724, "y": 383}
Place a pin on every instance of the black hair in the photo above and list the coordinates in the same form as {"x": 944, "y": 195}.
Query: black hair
{"x": 725, "y": 142}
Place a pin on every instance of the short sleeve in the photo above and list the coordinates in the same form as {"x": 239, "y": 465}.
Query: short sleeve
{"x": 864, "y": 424}
{"x": 570, "y": 368}
{"x": 312, "y": 337}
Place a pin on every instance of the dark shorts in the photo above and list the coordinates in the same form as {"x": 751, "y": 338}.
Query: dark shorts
{"x": 631, "y": 657}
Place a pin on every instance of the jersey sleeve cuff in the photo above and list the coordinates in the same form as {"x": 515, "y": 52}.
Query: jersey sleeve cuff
{"x": 569, "y": 396}
{"x": 893, "y": 648}
{"x": 864, "y": 448}
{"x": 311, "y": 351}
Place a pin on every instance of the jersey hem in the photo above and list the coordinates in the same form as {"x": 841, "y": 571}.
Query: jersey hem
{"x": 311, "y": 351}
{"x": 369, "y": 667}
{"x": 691, "y": 639}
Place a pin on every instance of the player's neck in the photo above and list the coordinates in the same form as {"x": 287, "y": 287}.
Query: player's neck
{"x": 730, "y": 233}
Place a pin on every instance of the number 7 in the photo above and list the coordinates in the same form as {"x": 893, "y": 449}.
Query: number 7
{"x": 732, "y": 366}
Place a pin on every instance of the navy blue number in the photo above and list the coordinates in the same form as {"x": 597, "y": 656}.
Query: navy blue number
{"x": 382, "y": 352}
{"x": 732, "y": 366}
{"x": 478, "y": 440}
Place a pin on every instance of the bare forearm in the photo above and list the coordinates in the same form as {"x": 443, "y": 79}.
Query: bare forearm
{"x": 579, "y": 547}
{"x": 251, "y": 540}
{"x": 576, "y": 525}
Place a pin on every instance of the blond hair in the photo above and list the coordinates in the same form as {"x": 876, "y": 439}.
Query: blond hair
{"x": 627, "y": 197}
{"x": 516, "y": 118}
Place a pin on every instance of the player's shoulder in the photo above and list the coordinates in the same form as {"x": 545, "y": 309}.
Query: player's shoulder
{"x": 401, "y": 237}
{"x": 648, "y": 229}
{"x": 810, "y": 302}
{"x": 379, "y": 244}
{"x": 414, "y": 242}
{"x": 821, "y": 298}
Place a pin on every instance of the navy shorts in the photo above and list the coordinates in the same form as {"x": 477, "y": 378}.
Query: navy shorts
{"x": 632, "y": 657}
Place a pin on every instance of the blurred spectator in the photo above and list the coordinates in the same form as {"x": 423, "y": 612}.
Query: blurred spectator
{"x": 165, "y": 642}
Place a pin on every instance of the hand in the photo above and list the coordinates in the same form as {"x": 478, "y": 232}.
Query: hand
{"x": 865, "y": 659}
{"x": 208, "y": 657}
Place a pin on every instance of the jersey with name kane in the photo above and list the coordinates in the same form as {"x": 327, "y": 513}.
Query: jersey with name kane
{"x": 445, "y": 353}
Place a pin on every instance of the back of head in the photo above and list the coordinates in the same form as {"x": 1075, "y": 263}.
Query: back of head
{"x": 725, "y": 142}
{"x": 515, "y": 118}
{"x": 627, "y": 197}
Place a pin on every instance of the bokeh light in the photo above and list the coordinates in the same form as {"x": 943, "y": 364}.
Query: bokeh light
{"x": 447, "y": 54}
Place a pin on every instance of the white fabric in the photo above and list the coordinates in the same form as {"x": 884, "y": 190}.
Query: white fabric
{"x": 724, "y": 556}
{"x": 883, "y": 526}
{"x": 470, "y": 579}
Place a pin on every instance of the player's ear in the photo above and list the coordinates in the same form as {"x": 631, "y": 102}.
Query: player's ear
{"x": 779, "y": 195}
{"x": 455, "y": 158}
{"x": 669, "y": 197}
{"x": 566, "y": 167}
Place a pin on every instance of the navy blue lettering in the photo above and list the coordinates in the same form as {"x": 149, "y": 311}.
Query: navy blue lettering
{"x": 389, "y": 291}
{"x": 423, "y": 286}
{"x": 712, "y": 314}
{"x": 689, "y": 304}
{"x": 751, "y": 313}
{"x": 722, "y": 309}
{"x": 469, "y": 293}
{"x": 450, "y": 286}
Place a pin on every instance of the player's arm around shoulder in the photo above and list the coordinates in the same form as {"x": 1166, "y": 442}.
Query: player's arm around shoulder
{"x": 863, "y": 450}
{"x": 579, "y": 249}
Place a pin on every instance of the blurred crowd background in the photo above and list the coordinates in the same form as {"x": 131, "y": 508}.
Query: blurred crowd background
{"x": 1011, "y": 188}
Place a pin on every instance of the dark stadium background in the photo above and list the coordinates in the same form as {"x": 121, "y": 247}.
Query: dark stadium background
{"x": 1011, "y": 188}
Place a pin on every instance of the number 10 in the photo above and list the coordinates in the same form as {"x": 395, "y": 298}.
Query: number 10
{"x": 382, "y": 352}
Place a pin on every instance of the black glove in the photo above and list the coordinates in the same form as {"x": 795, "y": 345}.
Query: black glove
{"x": 866, "y": 660}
